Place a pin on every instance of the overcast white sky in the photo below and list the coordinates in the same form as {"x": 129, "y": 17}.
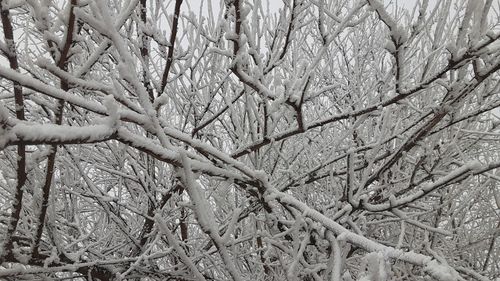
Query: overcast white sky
{"x": 275, "y": 5}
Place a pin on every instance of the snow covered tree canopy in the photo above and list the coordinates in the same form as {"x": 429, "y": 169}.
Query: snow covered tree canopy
{"x": 326, "y": 140}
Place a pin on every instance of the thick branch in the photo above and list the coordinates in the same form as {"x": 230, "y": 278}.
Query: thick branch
{"x": 21, "y": 149}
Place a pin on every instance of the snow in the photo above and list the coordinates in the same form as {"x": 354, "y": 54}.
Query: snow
{"x": 90, "y": 85}
{"x": 336, "y": 263}
{"x": 3, "y": 47}
{"x": 21, "y": 253}
{"x": 4, "y": 117}
{"x": 347, "y": 276}
{"x": 389, "y": 46}
{"x": 220, "y": 51}
{"x": 200, "y": 205}
{"x": 397, "y": 32}
{"x": 205, "y": 216}
{"x": 440, "y": 271}
{"x": 6, "y": 136}
{"x": 52, "y": 258}
{"x": 12, "y": 4}
{"x": 376, "y": 267}
{"x": 463, "y": 29}
{"x": 226, "y": 238}
{"x": 203, "y": 161}
{"x": 112, "y": 107}
{"x": 231, "y": 36}
{"x": 295, "y": 99}
{"x": 171, "y": 156}
{"x": 49, "y": 90}
{"x": 51, "y": 133}
{"x": 425, "y": 188}
{"x": 475, "y": 166}
{"x": 76, "y": 100}
{"x": 356, "y": 239}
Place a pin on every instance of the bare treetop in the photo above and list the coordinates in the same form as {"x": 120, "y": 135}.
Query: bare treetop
{"x": 324, "y": 140}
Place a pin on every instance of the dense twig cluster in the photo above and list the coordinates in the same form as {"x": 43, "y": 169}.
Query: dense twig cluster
{"x": 328, "y": 140}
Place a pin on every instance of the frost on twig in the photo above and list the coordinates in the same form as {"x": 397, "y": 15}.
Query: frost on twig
{"x": 441, "y": 272}
{"x": 304, "y": 139}
{"x": 376, "y": 267}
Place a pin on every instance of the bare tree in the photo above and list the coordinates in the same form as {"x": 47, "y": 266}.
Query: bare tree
{"x": 328, "y": 140}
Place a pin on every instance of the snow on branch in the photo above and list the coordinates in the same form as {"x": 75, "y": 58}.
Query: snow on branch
{"x": 304, "y": 139}
{"x": 34, "y": 134}
{"x": 457, "y": 174}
